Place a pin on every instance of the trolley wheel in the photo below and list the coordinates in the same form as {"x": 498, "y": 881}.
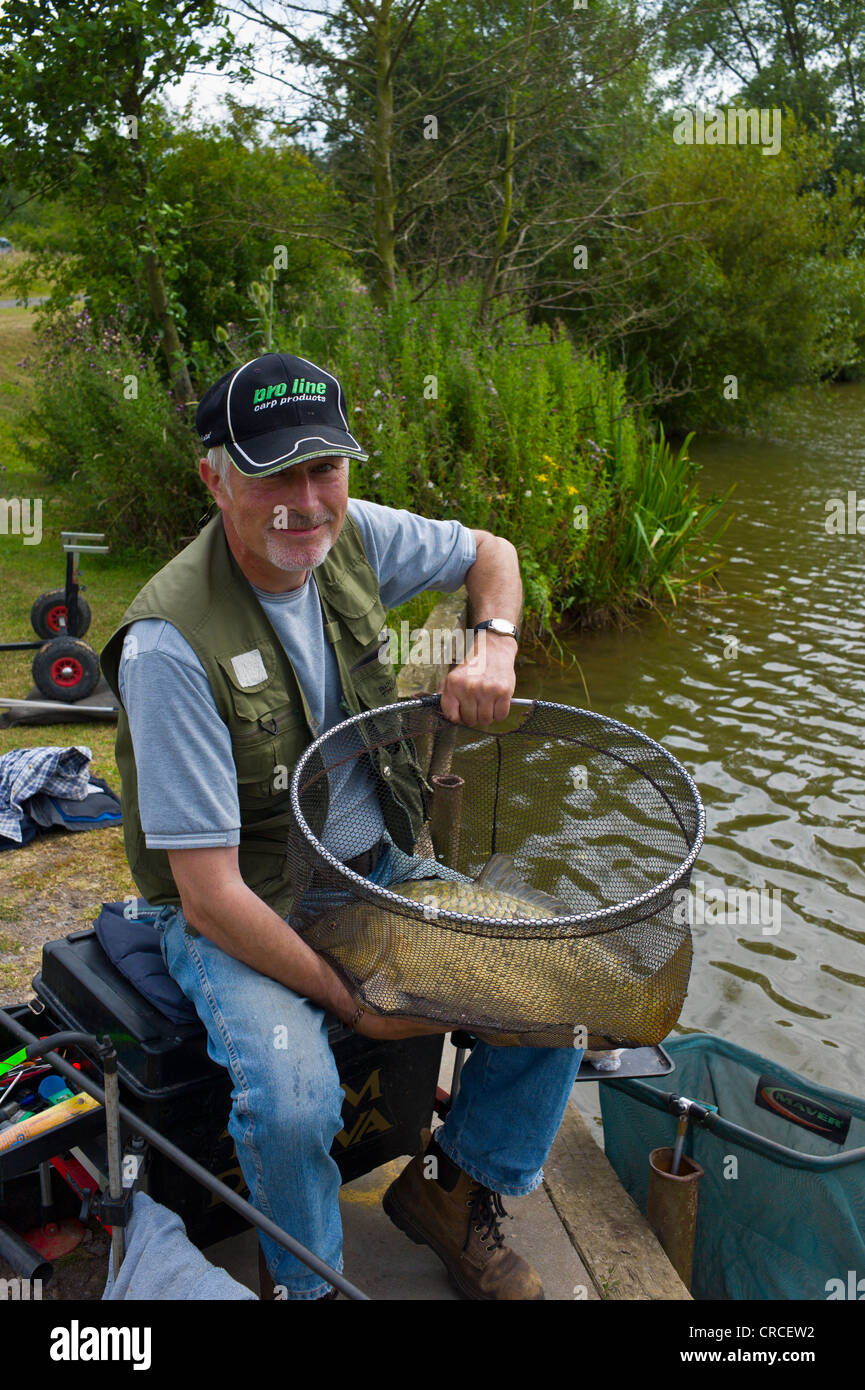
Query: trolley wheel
{"x": 48, "y": 614}
{"x": 66, "y": 669}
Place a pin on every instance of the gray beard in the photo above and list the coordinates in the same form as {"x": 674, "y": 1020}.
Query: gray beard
{"x": 286, "y": 559}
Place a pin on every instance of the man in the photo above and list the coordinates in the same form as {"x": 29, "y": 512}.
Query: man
{"x": 245, "y": 647}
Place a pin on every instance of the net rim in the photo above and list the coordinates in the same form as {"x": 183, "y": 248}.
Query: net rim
{"x": 397, "y": 901}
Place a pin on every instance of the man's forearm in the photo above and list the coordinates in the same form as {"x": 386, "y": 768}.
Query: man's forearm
{"x": 478, "y": 691}
{"x": 219, "y": 904}
{"x": 237, "y": 921}
{"x": 493, "y": 582}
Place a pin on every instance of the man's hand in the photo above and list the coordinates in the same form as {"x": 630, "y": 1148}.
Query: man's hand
{"x": 371, "y": 1025}
{"x": 479, "y": 690}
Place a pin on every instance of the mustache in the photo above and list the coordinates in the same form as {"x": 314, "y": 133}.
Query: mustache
{"x": 296, "y": 521}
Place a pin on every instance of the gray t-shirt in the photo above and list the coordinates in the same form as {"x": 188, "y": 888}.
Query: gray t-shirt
{"x": 187, "y": 788}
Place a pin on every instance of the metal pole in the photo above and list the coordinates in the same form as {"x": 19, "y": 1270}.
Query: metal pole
{"x": 71, "y": 623}
{"x": 458, "y": 1066}
{"x": 46, "y": 1198}
{"x": 58, "y": 704}
{"x": 115, "y": 1167}
{"x": 446, "y": 816}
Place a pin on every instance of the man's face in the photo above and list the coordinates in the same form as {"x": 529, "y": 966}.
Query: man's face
{"x": 283, "y": 525}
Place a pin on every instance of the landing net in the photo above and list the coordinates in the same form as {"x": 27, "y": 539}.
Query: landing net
{"x": 528, "y": 883}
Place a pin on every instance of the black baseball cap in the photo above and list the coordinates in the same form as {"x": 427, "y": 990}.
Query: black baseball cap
{"x": 274, "y": 411}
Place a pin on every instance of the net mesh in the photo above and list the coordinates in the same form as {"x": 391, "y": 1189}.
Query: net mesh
{"x": 538, "y": 896}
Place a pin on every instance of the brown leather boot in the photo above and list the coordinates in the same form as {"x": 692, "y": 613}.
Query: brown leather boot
{"x": 459, "y": 1219}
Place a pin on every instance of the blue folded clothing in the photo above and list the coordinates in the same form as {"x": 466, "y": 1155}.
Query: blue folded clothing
{"x": 162, "y": 1263}
{"x": 132, "y": 943}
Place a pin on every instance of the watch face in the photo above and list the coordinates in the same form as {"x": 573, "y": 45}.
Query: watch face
{"x": 502, "y": 625}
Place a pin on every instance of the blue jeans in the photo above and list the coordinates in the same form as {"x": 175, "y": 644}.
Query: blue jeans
{"x": 286, "y": 1097}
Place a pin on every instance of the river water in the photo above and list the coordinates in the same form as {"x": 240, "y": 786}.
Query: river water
{"x": 760, "y": 693}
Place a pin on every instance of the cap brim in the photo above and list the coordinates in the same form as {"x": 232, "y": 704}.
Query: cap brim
{"x": 268, "y": 453}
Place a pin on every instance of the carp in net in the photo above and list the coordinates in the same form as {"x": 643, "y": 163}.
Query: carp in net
{"x": 527, "y": 883}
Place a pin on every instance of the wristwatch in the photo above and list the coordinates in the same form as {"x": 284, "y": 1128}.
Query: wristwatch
{"x": 499, "y": 625}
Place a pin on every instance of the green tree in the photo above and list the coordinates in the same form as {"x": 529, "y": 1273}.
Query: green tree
{"x": 544, "y": 137}
{"x": 809, "y": 57}
{"x": 443, "y": 123}
{"x": 751, "y": 270}
{"x": 78, "y": 83}
{"x": 247, "y": 201}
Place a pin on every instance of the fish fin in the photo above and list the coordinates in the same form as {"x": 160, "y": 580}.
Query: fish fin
{"x": 501, "y": 873}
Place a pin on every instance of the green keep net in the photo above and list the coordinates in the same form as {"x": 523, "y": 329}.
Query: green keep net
{"x": 786, "y": 1224}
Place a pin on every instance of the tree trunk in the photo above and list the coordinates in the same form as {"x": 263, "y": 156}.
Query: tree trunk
{"x": 172, "y": 348}
{"x": 384, "y": 286}
{"x": 154, "y": 270}
{"x": 507, "y": 208}
{"x": 793, "y": 34}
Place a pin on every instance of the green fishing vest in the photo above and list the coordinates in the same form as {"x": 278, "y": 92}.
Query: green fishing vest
{"x": 206, "y": 596}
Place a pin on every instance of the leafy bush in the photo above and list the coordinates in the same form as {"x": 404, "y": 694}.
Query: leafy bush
{"x": 749, "y": 268}
{"x": 103, "y": 420}
{"x": 510, "y": 429}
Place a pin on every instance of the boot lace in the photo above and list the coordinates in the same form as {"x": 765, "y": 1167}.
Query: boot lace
{"x": 486, "y": 1210}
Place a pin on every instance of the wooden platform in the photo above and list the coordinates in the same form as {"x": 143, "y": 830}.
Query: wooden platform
{"x": 610, "y": 1234}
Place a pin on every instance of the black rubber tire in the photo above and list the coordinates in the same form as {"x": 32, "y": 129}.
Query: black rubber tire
{"x": 47, "y": 608}
{"x": 66, "y": 669}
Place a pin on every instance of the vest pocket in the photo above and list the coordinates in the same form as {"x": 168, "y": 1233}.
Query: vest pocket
{"x": 374, "y": 684}
{"x": 264, "y": 757}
